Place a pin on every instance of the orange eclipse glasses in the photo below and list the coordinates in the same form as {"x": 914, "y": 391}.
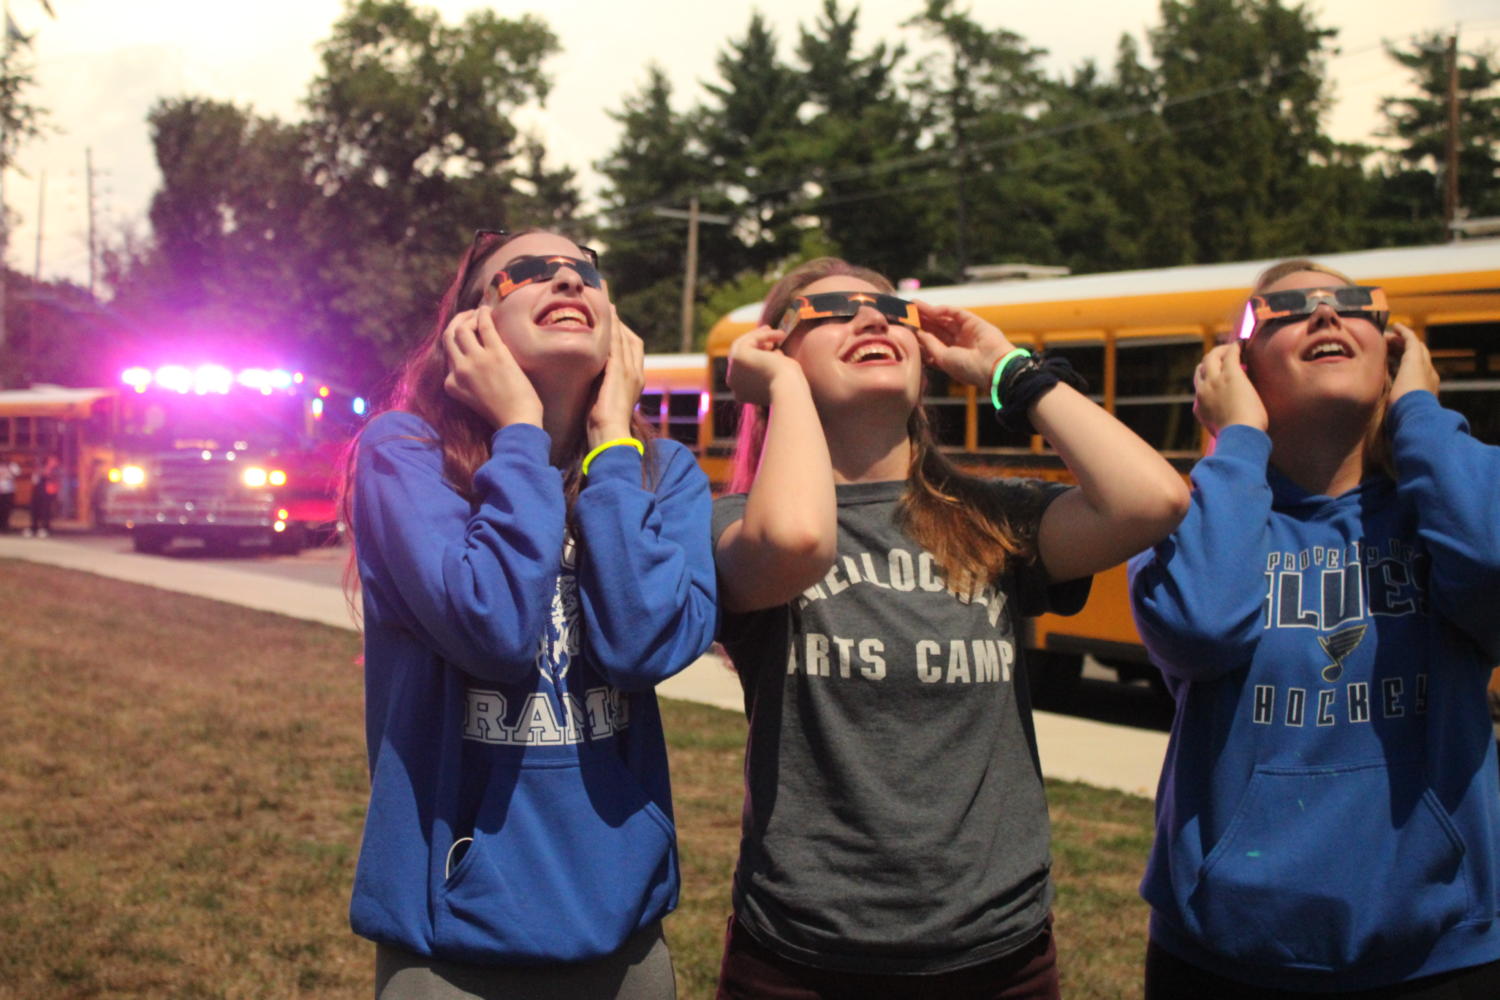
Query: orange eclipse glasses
{"x": 846, "y": 305}
{"x": 522, "y": 271}
{"x": 1280, "y": 308}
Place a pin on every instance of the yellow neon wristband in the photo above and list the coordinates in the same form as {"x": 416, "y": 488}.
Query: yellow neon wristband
{"x": 610, "y": 444}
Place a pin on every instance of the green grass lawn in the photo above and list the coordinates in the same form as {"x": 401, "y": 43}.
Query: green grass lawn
{"x": 182, "y": 784}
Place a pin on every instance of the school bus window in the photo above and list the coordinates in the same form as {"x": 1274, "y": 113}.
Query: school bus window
{"x": 726, "y": 411}
{"x": 4, "y": 432}
{"x": 1467, "y": 359}
{"x": 1087, "y": 360}
{"x": 682, "y": 416}
{"x": 650, "y": 408}
{"x": 23, "y": 432}
{"x": 947, "y": 409}
{"x": 1153, "y": 390}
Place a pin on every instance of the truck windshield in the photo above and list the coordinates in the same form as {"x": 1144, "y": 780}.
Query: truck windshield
{"x": 238, "y": 420}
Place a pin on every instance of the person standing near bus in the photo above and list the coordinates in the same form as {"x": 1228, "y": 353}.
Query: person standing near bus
{"x": 532, "y": 564}
{"x": 9, "y": 471}
{"x": 895, "y": 836}
{"x": 44, "y": 489}
{"x": 1328, "y": 817}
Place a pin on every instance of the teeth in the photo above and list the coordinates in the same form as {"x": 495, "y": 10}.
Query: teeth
{"x": 564, "y": 314}
{"x": 872, "y": 351}
{"x": 1324, "y": 349}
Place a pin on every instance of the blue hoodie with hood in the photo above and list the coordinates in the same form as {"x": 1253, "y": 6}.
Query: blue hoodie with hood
{"x": 520, "y": 810}
{"x": 1328, "y": 816}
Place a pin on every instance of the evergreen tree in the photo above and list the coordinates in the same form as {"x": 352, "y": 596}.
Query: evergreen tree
{"x": 1243, "y": 94}
{"x": 859, "y": 147}
{"x": 658, "y": 162}
{"x": 1413, "y": 178}
{"x": 981, "y": 100}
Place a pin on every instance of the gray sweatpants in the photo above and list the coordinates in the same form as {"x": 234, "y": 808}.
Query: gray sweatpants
{"x": 640, "y": 970}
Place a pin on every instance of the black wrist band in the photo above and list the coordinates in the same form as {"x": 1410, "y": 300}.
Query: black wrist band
{"x": 1029, "y": 381}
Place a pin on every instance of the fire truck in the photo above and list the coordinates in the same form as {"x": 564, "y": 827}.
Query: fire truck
{"x": 228, "y": 456}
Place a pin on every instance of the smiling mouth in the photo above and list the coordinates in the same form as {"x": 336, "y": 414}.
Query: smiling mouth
{"x": 1327, "y": 349}
{"x": 565, "y": 316}
{"x": 872, "y": 352}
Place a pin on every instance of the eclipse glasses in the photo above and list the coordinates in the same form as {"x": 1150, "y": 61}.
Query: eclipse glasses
{"x": 1279, "y": 308}
{"x": 845, "y": 305}
{"x": 522, "y": 271}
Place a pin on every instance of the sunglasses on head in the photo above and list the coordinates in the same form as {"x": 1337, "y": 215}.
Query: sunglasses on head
{"x": 845, "y": 305}
{"x": 522, "y": 271}
{"x": 1278, "y": 308}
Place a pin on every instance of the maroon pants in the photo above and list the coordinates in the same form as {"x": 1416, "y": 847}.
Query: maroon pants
{"x": 751, "y": 971}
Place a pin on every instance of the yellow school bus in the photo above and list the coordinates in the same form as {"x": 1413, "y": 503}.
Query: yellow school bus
{"x": 75, "y": 425}
{"x": 1137, "y": 336}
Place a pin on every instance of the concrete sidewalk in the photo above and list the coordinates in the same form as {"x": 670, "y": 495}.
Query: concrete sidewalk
{"x": 1071, "y": 749}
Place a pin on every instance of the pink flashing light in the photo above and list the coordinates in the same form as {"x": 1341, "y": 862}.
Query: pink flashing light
{"x": 215, "y": 379}
{"x": 137, "y": 378}
{"x": 174, "y": 377}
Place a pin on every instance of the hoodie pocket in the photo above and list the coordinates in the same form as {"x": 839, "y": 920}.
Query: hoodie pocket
{"x": 563, "y": 866}
{"x": 1328, "y": 868}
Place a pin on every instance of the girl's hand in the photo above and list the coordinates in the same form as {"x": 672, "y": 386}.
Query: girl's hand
{"x": 755, "y": 361}
{"x": 960, "y": 343}
{"x": 1414, "y": 370}
{"x": 483, "y": 374}
{"x": 621, "y": 384}
{"x": 1225, "y": 394}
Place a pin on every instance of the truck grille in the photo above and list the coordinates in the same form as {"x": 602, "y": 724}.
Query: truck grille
{"x": 191, "y": 479}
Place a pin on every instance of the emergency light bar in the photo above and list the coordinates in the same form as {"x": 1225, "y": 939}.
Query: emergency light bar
{"x": 209, "y": 379}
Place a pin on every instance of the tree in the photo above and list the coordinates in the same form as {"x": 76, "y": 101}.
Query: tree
{"x": 749, "y": 130}
{"x": 981, "y": 100}
{"x": 329, "y": 241}
{"x": 1243, "y": 93}
{"x": 413, "y": 140}
{"x": 1414, "y": 174}
{"x": 658, "y": 162}
{"x": 859, "y": 147}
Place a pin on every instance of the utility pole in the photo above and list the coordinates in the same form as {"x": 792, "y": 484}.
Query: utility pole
{"x": 1450, "y": 181}
{"x": 41, "y": 208}
{"x": 88, "y": 168}
{"x": 690, "y": 279}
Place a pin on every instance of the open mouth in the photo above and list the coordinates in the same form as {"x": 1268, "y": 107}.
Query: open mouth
{"x": 1327, "y": 349}
{"x": 872, "y": 352}
{"x": 566, "y": 314}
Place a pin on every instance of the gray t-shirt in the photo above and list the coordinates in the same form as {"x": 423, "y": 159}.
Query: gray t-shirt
{"x": 894, "y": 818}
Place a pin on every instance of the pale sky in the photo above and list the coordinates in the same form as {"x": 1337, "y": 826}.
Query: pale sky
{"x": 101, "y": 64}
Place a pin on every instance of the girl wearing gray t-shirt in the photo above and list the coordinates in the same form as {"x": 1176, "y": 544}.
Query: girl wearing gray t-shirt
{"x": 894, "y": 836}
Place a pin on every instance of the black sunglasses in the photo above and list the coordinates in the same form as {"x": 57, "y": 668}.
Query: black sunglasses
{"x": 523, "y": 270}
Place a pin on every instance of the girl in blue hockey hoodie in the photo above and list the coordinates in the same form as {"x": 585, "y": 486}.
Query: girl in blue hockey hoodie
{"x": 1328, "y": 818}
{"x": 532, "y": 563}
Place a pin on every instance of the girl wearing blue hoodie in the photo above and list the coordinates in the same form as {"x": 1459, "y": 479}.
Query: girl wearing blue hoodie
{"x": 532, "y": 564}
{"x": 1327, "y": 818}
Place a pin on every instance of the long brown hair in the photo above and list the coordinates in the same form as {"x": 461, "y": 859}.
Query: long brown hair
{"x": 461, "y": 433}
{"x": 949, "y": 513}
{"x": 1377, "y": 447}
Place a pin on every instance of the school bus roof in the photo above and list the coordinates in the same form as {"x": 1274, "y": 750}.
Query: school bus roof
{"x": 1195, "y": 298}
{"x": 48, "y": 400}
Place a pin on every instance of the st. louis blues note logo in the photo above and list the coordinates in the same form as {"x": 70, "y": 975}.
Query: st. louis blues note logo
{"x": 1338, "y": 646}
{"x": 559, "y": 641}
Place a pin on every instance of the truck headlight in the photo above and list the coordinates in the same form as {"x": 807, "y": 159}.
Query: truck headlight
{"x": 133, "y": 475}
{"x": 254, "y": 477}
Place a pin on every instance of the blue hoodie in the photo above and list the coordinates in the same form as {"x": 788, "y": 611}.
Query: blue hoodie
{"x": 520, "y": 810}
{"x": 1328, "y": 816}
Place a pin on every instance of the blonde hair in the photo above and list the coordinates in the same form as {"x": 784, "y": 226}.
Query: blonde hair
{"x": 949, "y": 513}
